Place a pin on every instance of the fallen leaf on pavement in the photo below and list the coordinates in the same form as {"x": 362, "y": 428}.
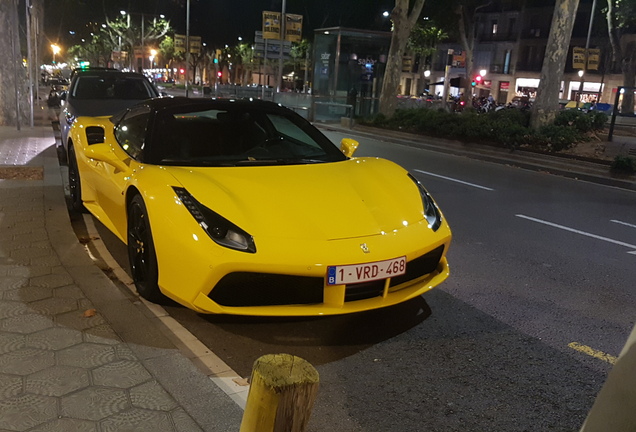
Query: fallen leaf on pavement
{"x": 90, "y": 313}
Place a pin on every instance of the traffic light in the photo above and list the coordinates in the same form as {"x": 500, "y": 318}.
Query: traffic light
{"x": 477, "y": 80}
{"x": 181, "y": 71}
{"x": 219, "y": 74}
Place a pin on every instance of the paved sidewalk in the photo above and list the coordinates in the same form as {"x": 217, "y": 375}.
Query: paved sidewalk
{"x": 76, "y": 352}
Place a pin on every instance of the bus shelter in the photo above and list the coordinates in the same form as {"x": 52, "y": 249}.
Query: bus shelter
{"x": 349, "y": 66}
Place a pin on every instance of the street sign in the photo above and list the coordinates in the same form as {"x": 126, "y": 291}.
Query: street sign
{"x": 273, "y": 47}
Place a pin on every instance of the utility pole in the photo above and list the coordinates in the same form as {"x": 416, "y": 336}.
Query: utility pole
{"x": 282, "y": 42}
{"x": 449, "y": 63}
{"x": 27, "y": 5}
{"x": 187, "y": 68}
{"x": 15, "y": 42}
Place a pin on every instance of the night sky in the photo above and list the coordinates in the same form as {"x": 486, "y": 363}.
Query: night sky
{"x": 218, "y": 22}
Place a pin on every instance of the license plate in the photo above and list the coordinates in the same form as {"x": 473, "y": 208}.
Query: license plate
{"x": 356, "y": 273}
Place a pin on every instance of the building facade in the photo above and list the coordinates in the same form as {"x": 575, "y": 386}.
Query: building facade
{"x": 510, "y": 43}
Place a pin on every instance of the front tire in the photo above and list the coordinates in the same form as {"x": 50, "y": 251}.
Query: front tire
{"x": 141, "y": 252}
{"x": 74, "y": 183}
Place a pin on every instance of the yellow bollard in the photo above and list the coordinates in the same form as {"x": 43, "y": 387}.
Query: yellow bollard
{"x": 283, "y": 388}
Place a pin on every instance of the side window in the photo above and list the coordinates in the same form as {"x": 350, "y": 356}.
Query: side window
{"x": 130, "y": 132}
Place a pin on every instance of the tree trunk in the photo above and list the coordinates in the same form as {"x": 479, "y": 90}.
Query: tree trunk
{"x": 467, "y": 38}
{"x": 629, "y": 78}
{"x": 403, "y": 23}
{"x": 12, "y": 73}
{"x": 546, "y": 104}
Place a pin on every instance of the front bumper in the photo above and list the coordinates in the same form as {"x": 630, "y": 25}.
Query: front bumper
{"x": 284, "y": 279}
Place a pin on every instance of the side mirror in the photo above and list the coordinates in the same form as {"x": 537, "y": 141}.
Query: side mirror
{"x": 103, "y": 153}
{"x": 348, "y": 146}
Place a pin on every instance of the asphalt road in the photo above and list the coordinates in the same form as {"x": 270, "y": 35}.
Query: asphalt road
{"x": 518, "y": 338}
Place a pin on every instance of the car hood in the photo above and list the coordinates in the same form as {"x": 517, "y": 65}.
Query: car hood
{"x": 354, "y": 198}
{"x": 98, "y": 107}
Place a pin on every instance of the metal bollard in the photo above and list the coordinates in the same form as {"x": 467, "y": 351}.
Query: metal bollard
{"x": 283, "y": 388}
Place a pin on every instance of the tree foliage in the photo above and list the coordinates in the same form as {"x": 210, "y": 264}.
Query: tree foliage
{"x": 97, "y": 50}
{"x": 424, "y": 40}
{"x": 126, "y": 33}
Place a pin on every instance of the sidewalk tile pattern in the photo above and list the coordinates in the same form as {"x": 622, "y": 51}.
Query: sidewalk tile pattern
{"x": 62, "y": 368}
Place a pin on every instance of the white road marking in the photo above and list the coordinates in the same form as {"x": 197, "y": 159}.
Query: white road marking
{"x": 609, "y": 240}
{"x": 623, "y": 223}
{"x": 216, "y": 369}
{"x": 455, "y": 180}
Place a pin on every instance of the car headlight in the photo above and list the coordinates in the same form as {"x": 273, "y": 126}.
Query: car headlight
{"x": 221, "y": 230}
{"x": 431, "y": 212}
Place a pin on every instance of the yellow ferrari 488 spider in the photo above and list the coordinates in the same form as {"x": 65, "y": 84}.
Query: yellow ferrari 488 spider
{"x": 244, "y": 207}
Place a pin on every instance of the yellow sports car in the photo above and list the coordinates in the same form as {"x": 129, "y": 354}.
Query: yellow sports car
{"x": 244, "y": 207}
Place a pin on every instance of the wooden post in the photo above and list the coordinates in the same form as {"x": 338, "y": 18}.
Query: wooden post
{"x": 283, "y": 388}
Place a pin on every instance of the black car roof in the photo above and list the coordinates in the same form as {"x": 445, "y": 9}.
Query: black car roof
{"x": 104, "y": 72}
{"x": 198, "y": 103}
{"x": 160, "y": 104}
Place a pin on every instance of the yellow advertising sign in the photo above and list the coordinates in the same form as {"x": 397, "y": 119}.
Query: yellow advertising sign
{"x": 195, "y": 44}
{"x": 578, "y": 58}
{"x": 293, "y": 27}
{"x": 271, "y": 25}
{"x": 179, "y": 43}
{"x": 593, "y": 58}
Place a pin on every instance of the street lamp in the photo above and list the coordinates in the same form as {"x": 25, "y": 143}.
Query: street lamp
{"x": 578, "y": 96}
{"x": 56, "y": 49}
{"x": 153, "y": 54}
{"x": 427, "y": 74}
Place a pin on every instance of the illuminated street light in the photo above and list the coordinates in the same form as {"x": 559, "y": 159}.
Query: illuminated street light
{"x": 56, "y": 50}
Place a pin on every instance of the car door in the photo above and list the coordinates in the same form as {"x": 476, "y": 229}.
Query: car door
{"x": 110, "y": 181}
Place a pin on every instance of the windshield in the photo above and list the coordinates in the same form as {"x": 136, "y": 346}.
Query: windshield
{"x": 241, "y": 137}
{"x": 112, "y": 87}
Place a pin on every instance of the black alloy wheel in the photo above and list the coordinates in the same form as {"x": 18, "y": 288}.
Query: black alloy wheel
{"x": 74, "y": 184}
{"x": 141, "y": 252}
